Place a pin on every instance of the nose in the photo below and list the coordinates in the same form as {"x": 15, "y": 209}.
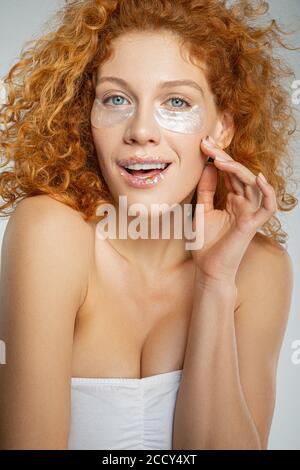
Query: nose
{"x": 142, "y": 127}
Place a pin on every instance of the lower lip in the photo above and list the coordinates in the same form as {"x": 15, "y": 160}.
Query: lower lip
{"x": 144, "y": 181}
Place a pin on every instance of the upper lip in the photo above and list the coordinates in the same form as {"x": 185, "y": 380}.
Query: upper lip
{"x": 144, "y": 159}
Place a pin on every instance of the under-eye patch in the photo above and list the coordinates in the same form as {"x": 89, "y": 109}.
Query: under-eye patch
{"x": 187, "y": 121}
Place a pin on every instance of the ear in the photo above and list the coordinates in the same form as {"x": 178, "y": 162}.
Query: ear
{"x": 224, "y": 129}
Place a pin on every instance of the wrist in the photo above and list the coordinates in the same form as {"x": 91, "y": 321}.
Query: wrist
{"x": 215, "y": 283}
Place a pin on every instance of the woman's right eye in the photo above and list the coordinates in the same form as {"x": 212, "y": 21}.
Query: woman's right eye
{"x": 116, "y": 100}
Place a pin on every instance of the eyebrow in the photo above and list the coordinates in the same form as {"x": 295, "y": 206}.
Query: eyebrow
{"x": 170, "y": 83}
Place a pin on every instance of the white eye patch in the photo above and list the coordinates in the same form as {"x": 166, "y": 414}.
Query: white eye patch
{"x": 187, "y": 121}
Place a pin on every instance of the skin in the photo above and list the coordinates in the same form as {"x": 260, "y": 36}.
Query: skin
{"x": 144, "y": 134}
{"x": 75, "y": 326}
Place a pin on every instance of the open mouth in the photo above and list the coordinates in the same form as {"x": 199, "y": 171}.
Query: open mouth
{"x": 147, "y": 170}
{"x": 144, "y": 175}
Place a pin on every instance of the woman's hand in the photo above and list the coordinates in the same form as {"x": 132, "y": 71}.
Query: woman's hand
{"x": 227, "y": 233}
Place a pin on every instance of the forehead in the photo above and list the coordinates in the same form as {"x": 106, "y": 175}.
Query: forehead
{"x": 150, "y": 57}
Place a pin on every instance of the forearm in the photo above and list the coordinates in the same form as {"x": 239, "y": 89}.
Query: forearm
{"x": 211, "y": 411}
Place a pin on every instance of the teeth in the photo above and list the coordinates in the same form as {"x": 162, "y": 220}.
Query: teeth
{"x": 147, "y": 166}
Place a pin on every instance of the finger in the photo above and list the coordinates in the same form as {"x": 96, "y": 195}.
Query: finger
{"x": 227, "y": 180}
{"x": 238, "y": 177}
{"x": 228, "y": 183}
{"x": 207, "y": 187}
{"x": 269, "y": 203}
{"x": 241, "y": 171}
{"x": 212, "y": 149}
{"x": 254, "y": 195}
{"x": 242, "y": 179}
{"x": 236, "y": 185}
{"x": 252, "y": 191}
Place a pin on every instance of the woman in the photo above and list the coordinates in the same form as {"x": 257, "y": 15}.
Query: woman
{"x": 139, "y": 343}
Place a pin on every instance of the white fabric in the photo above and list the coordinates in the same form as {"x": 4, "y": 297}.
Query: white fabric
{"x": 123, "y": 413}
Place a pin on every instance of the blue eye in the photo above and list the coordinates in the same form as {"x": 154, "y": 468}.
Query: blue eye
{"x": 175, "y": 98}
{"x": 177, "y": 101}
{"x": 117, "y": 99}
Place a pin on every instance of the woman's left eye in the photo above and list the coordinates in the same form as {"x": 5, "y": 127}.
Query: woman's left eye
{"x": 177, "y": 102}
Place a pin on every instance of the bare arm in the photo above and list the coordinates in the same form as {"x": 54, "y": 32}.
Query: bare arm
{"x": 227, "y": 394}
{"x": 43, "y": 273}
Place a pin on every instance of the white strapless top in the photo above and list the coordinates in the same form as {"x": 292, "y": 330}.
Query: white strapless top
{"x": 123, "y": 413}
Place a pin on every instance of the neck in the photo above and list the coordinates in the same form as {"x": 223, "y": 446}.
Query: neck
{"x": 165, "y": 252}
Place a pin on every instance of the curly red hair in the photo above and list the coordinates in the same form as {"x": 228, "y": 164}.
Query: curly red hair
{"x": 45, "y": 124}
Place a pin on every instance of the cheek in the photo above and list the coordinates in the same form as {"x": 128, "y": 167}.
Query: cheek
{"x": 103, "y": 143}
{"x": 189, "y": 168}
{"x": 192, "y": 166}
{"x": 97, "y": 138}
{"x": 187, "y": 148}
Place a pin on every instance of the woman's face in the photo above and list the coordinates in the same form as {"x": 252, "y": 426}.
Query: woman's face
{"x": 136, "y": 113}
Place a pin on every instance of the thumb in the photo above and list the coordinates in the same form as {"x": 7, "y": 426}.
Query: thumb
{"x": 207, "y": 187}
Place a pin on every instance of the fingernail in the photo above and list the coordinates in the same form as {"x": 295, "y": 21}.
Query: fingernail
{"x": 212, "y": 140}
{"x": 207, "y": 143}
{"x": 261, "y": 176}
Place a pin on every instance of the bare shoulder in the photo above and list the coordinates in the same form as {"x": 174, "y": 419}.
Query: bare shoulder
{"x": 265, "y": 285}
{"x": 261, "y": 245}
{"x": 44, "y": 209}
{"x": 44, "y": 277}
{"x": 266, "y": 271}
{"x": 47, "y": 228}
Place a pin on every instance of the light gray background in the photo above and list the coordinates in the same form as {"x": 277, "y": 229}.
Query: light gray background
{"x": 22, "y": 20}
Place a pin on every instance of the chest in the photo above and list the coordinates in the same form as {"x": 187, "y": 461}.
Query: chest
{"x": 130, "y": 326}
